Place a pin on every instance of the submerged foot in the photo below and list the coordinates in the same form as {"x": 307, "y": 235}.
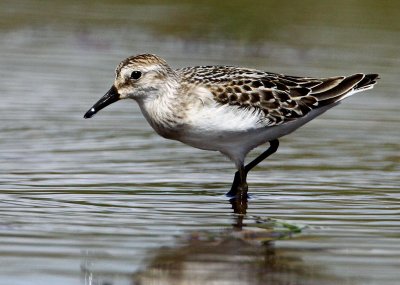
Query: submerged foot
{"x": 238, "y": 191}
{"x": 239, "y": 205}
{"x": 242, "y": 192}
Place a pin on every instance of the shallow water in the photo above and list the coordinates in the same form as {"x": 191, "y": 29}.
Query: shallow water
{"x": 107, "y": 201}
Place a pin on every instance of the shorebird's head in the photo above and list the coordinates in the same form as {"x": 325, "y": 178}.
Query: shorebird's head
{"x": 139, "y": 77}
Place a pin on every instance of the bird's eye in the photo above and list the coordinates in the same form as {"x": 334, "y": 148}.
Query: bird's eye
{"x": 136, "y": 74}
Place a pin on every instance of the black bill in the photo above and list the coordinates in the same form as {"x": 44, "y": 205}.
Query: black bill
{"x": 110, "y": 97}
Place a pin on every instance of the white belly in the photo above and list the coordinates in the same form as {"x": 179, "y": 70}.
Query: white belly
{"x": 234, "y": 132}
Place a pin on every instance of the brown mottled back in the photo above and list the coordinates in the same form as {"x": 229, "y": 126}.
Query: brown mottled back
{"x": 279, "y": 98}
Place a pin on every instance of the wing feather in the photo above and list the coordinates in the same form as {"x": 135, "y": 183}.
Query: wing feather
{"x": 278, "y": 98}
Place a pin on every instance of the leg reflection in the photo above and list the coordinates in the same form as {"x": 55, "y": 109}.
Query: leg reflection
{"x": 239, "y": 206}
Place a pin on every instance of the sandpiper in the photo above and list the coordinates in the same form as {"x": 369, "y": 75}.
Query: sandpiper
{"x": 225, "y": 108}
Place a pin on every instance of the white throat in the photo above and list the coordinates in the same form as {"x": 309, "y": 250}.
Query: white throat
{"x": 159, "y": 106}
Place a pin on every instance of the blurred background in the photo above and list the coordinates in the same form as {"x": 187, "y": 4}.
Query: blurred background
{"x": 107, "y": 201}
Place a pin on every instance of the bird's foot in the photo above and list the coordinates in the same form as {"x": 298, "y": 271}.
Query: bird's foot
{"x": 239, "y": 200}
{"x": 242, "y": 192}
{"x": 238, "y": 191}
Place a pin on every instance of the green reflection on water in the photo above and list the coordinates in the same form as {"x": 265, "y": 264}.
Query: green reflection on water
{"x": 246, "y": 21}
{"x": 259, "y": 20}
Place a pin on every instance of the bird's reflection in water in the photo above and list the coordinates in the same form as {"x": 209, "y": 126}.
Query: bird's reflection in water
{"x": 243, "y": 254}
{"x": 239, "y": 207}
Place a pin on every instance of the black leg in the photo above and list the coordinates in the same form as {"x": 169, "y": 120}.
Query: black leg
{"x": 239, "y": 185}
